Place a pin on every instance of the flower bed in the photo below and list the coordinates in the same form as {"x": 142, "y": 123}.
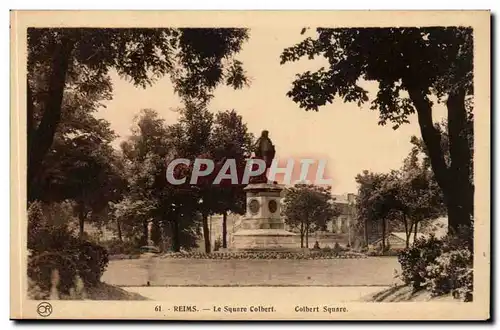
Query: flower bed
{"x": 264, "y": 255}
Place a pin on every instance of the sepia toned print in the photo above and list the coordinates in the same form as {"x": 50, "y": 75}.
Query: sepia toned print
{"x": 250, "y": 165}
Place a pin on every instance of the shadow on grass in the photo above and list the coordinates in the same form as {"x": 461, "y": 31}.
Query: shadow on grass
{"x": 104, "y": 291}
{"x": 404, "y": 293}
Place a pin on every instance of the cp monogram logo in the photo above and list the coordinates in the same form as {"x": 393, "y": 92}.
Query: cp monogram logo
{"x": 44, "y": 309}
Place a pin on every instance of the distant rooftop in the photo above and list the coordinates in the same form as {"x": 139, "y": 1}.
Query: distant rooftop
{"x": 344, "y": 198}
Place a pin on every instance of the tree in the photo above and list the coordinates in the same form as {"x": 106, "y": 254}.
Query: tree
{"x": 82, "y": 165}
{"x": 197, "y": 135}
{"x": 401, "y": 198}
{"x": 308, "y": 207}
{"x": 200, "y": 135}
{"x": 196, "y": 128}
{"x": 150, "y": 198}
{"x": 420, "y": 198}
{"x": 230, "y": 140}
{"x": 410, "y": 65}
{"x": 368, "y": 200}
{"x": 397, "y": 193}
{"x": 197, "y": 60}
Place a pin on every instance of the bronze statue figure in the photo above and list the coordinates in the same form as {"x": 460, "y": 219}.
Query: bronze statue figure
{"x": 264, "y": 149}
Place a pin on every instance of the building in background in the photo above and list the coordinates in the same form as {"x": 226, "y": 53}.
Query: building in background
{"x": 346, "y": 204}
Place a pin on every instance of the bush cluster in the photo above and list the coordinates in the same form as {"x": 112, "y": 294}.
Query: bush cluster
{"x": 55, "y": 247}
{"x": 443, "y": 266}
{"x": 452, "y": 273}
{"x": 337, "y": 248}
{"x": 117, "y": 247}
{"x": 265, "y": 255}
{"x": 73, "y": 258}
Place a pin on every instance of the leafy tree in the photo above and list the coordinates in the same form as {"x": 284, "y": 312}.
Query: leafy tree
{"x": 395, "y": 193}
{"x": 308, "y": 208}
{"x": 402, "y": 198}
{"x": 368, "y": 201}
{"x": 195, "y": 125}
{"x": 150, "y": 198}
{"x": 200, "y": 134}
{"x": 82, "y": 166}
{"x": 420, "y": 198}
{"x": 230, "y": 140}
{"x": 410, "y": 65}
{"x": 197, "y": 60}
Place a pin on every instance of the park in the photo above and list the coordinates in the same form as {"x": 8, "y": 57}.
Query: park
{"x": 139, "y": 138}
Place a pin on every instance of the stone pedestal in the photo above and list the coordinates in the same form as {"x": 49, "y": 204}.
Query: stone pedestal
{"x": 262, "y": 228}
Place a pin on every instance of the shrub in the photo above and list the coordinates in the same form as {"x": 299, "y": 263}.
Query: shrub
{"x": 41, "y": 264}
{"x": 442, "y": 266}
{"x": 85, "y": 259}
{"x": 35, "y": 292}
{"x": 415, "y": 259}
{"x": 55, "y": 247}
{"x": 452, "y": 273}
{"x": 116, "y": 246}
{"x": 93, "y": 260}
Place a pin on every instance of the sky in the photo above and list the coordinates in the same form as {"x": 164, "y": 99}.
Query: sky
{"x": 347, "y": 136}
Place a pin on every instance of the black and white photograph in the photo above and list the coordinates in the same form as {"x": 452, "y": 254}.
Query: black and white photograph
{"x": 228, "y": 166}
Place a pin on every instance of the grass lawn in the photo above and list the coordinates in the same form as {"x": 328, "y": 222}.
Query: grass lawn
{"x": 373, "y": 271}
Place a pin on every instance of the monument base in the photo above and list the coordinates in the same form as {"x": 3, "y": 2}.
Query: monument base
{"x": 264, "y": 239}
{"x": 263, "y": 228}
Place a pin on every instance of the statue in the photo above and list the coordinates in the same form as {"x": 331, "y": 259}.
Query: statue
{"x": 264, "y": 149}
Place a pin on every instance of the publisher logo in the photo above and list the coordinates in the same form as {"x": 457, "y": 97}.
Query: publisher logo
{"x": 44, "y": 309}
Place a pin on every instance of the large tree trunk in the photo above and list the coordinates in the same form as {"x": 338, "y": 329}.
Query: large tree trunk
{"x": 431, "y": 137}
{"x": 454, "y": 181}
{"x": 40, "y": 140}
{"x": 206, "y": 233}
{"x": 224, "y": 230}
{"x": 416, "y": 232}
{"x": 461, "y": 195}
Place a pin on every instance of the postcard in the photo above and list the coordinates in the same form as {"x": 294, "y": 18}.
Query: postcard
{"x": 250, "y": 165}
